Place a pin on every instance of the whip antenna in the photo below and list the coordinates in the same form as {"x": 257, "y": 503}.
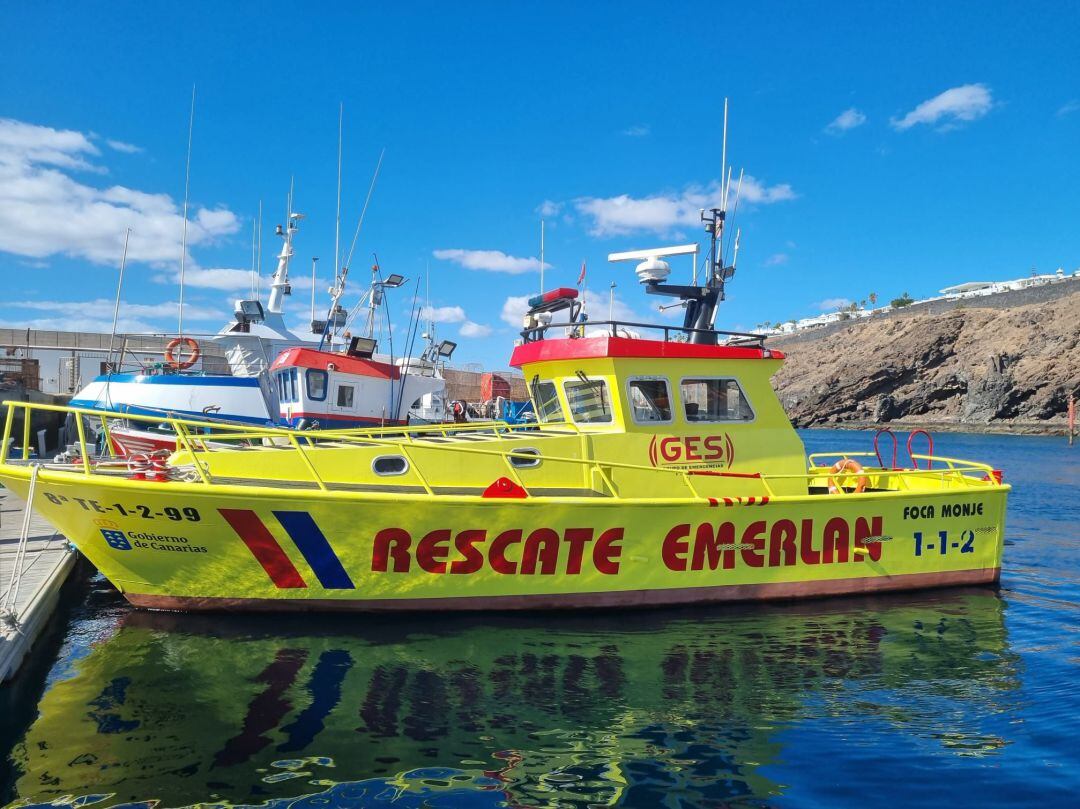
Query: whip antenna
{"x": 183, "y": 237}
{"x": 360, "y": 222}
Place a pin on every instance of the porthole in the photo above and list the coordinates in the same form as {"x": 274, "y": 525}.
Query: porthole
{"x": 386, "y": 465}
{"x": 524, "y": 458}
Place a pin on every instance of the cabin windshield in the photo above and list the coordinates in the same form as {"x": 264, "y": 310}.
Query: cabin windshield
{"x": 650, "y": 402}
{"x": 715, "y": 400}
{"x": 589, "y": 401}
{"x": 316, "y": 384}
{"x": 546, "y": 402}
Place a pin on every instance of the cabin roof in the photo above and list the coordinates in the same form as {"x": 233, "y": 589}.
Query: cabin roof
{"x": 321, "y": 360}
{"x": 614, "y": 347}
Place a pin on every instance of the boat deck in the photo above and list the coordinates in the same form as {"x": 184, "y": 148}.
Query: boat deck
{"x": 45, "y": 566}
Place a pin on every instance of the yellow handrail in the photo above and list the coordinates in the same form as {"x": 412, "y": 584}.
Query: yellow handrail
{"x": 244, "y": 433}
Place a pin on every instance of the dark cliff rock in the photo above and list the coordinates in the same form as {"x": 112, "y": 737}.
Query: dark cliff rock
{"x": 966, "y": 368}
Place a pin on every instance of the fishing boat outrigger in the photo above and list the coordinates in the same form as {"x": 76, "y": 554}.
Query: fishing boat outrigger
{"x": 660, "y": 471}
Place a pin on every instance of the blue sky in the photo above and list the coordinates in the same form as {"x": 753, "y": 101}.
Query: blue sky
{"x": 892, "y": 147}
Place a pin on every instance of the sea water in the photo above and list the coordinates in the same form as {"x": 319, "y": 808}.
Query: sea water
{"x": 964, "y": 697}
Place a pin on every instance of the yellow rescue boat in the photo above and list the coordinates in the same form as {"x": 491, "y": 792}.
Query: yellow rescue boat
{"x": 660, "y": 471}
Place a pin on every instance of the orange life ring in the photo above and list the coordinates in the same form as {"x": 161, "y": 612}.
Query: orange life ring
{"x": 848, "y": 465}
{"x": 172, "y": 357}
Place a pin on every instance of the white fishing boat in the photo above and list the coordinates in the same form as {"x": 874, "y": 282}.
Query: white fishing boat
{"x": 255, "y": 346}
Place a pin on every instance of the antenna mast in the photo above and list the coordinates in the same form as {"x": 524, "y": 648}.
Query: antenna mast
{"x": 254, "y": 237}
{"x": 541, "y": 256}
{"x": 258, "y": 260}
{"x": 337, "y": 222}
{"x": 183, "y": 237}
{"x": 363, "y": 211}
{"x": 116, "y": 307}
{"x": 280, "y": 286}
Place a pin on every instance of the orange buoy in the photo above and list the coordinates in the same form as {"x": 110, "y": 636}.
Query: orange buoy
{"x": 848, "y": 465}
{"x": 175, "y": 358}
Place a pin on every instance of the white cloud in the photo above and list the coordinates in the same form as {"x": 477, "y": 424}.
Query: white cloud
{"x": 213, "y": 278}
{"x": 514, "y": 309}
{"x": 597, "y": 305}
{"x": 443, "y": 314}
{"x": 661, "y": 213}
{"x": 121, "y": 146}
{"x": 848, "y": 119}
{"x": 470, "y": 329}
{"x": 44, "y": 145}
{"x": 124, "y": 325}
{"x": 832, "y": 304}
{"x": 776, "y": 259}
{"x": 637, "y": 131}
{"x": 102, "y": 309}
{"x": 549, "y": 209}
{"x": 490, "y": 261}
{"x": 44, "y": 211}
{"x": 300, "y": 281}
{"x": 1068, "y": 108}
{"x": 969, "y": 102}
{"x": 234, "y": 280}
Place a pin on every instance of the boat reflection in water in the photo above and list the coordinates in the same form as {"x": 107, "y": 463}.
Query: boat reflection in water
{"x": 698, "y": 706}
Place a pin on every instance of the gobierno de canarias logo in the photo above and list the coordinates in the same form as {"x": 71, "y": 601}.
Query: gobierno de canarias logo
{"x": 715, "y": 451}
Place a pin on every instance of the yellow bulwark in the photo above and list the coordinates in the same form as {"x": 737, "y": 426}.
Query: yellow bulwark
{"x": 657, "y": 473}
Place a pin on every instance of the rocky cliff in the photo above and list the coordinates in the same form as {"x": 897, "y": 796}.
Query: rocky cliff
{"x": 969, "y": 368}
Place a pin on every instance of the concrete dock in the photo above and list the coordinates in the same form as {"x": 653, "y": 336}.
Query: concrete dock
{"x": 44, "y": 567}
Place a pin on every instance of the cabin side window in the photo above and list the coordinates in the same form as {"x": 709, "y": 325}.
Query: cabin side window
{"x": 294, "y": 389}
{"x": 546, "y": 401}
{"x": 650, "y": 401}
{"x": 345, "y": 396}
{"x": 715, "y": 400}
{"x": 589, "y": 400}
{"x": 316, "y": 384}
{"x": 286, "y": 388}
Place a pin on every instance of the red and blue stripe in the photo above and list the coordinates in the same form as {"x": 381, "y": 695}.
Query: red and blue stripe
{"x": 305, "y": 534}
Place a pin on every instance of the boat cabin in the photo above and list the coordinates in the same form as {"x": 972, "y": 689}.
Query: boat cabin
{"x": 348, "y": 389}
{"x": 666, "y": 403}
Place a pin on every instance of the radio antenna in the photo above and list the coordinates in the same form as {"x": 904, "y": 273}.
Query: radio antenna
{"x": 541, "y": 256}
{"x": 735, "y": 207}
{"x": 337, "y": 222}
{"x": 258, "y": 259}
{"x": 254, "y": 239}
{"x": 116, "y": 307}
{"x": 360, "y": 222}
{"x": 183, "y": 237}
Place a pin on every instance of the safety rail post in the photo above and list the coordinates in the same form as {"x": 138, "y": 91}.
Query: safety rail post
{"x": 607, "y": 480}
{"x": 420, "y": 475}
{"x": 108, "y": 436}
{"x": 768, "y": 489}
{"x": 26, "y": 435}
{"x": 182, "y": 437}
{"x": 307, "y": 461}
{"x": 686, "y": 479}
{"x": 9, "y": 422}
{"x": 82, "y": 442}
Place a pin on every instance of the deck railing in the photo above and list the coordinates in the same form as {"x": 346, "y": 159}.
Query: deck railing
{"x": 202, "y": 438}
{"x": 748, "y": 339}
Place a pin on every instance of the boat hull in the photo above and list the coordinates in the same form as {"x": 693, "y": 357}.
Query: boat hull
{"x": 191, "y": 547}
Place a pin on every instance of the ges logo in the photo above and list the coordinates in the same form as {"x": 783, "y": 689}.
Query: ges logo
{"x": 716, "y": 450}
{"x": 116, "y": 539}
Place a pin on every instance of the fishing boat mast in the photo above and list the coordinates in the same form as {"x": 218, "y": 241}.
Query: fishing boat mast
{"x": 279, "y": 285}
